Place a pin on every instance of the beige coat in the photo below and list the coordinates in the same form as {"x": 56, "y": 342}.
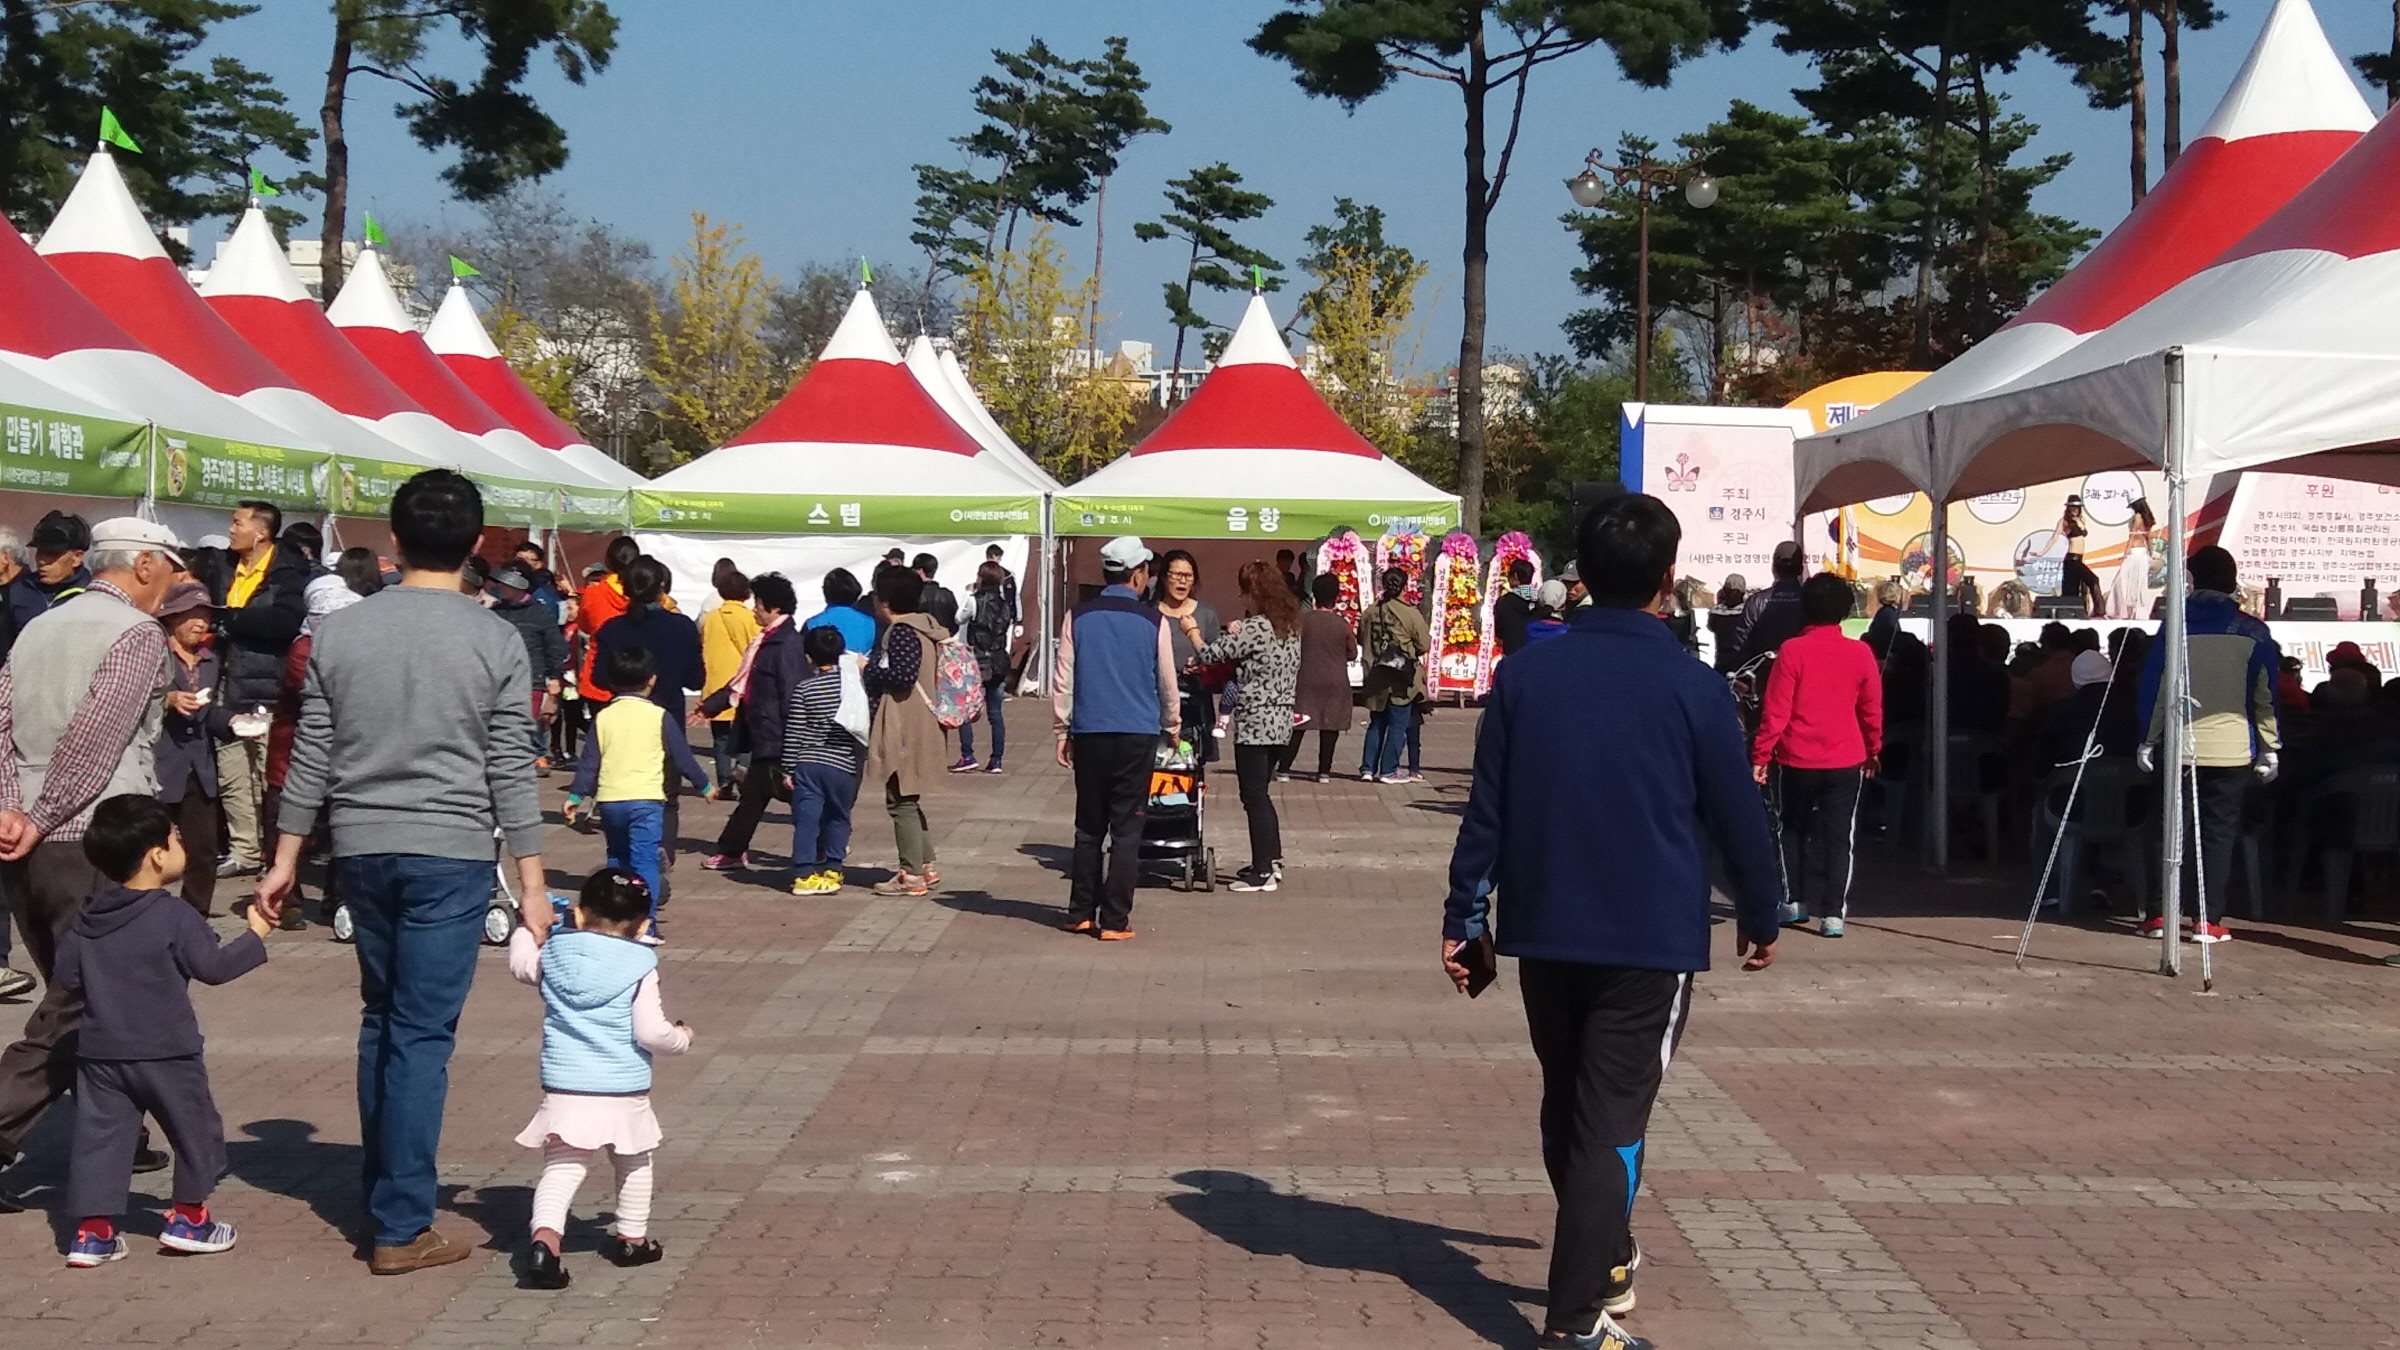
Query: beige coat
{"x": 906, "y": 740}
{"x": 1397, "y": 624}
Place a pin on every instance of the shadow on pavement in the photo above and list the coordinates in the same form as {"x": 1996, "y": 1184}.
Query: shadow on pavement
{"x": 285, "y": 1157}
{"x": 1249, "y": 1213}
{"x": 984, "y": 902}
{"x": 1059, "y": 858}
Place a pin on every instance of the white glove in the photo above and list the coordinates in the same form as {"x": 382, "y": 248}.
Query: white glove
{"x": 2146, "y": 758}
{"x": 2267, "y": 767}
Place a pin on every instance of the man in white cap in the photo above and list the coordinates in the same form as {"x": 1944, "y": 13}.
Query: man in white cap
{"x": 1116, "y": 697}
{"x": 81, "y": 701}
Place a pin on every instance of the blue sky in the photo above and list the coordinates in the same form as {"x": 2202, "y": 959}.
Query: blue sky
{"x": 801, "y": 122}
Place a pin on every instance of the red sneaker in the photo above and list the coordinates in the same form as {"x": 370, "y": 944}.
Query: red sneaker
{"x": 2154, "y": 925}
{"x": 2211, "y": 932}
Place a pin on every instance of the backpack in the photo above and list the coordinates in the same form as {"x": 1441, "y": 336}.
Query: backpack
{"x": 957, "y": 684}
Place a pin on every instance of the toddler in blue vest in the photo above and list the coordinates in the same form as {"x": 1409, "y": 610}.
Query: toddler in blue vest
{"x": 601, "y": 1022}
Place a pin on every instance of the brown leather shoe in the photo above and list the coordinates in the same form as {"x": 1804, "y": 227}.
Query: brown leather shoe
{"x": 430, "y": 1249}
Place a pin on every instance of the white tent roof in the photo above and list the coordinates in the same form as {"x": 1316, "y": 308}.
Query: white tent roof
{"x": 933, "y": 373}
{"x": 1255, "y": 436}
{"x": 458, "y": 337}
{"x": 104, "y": 248}
{"x": 2291, "y": 111}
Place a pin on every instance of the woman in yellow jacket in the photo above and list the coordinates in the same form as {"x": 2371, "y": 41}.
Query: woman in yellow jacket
{"x": 726, "y": 633}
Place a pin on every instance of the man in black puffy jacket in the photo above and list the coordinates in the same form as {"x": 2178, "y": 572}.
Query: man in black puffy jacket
{"x": 264, "y": 609}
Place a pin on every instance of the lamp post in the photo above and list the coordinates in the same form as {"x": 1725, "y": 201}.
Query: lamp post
{"x": 1590, "y": 190}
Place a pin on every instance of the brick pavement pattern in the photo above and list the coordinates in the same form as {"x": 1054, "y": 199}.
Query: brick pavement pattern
{"x": 1268, "y": 1123}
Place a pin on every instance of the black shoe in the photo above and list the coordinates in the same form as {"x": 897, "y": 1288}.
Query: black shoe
{"x": 543, "y": 1269}
{"x": 619, "y": 1252}
{"x": 152, "y": 1160}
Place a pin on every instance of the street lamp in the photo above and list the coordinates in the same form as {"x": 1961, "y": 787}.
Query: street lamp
{"x": 1590, "y": 190}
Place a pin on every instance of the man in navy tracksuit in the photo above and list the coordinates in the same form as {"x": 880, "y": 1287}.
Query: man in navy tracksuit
{"x": 1609, "y": 764}
{"x": 1116, "y": 697}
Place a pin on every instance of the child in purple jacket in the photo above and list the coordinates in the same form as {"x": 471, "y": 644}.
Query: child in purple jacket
{"x": 133, "y": 951}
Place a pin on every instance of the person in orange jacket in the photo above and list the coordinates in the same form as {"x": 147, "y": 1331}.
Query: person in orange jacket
{"x": 601, "y": 601}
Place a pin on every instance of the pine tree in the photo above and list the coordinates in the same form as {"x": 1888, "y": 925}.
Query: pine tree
{"x": 1201, "y": 205}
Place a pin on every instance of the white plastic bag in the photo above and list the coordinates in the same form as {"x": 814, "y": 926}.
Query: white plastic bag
{"x": 854, "y": 715}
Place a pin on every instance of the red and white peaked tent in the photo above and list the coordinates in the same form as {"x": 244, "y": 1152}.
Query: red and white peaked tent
{"x": 50, "y": 332}
{"x": 104, "y": 248}
{"x": 857, "y": 430}
{"x": 368, "y": 313}
{"x": 2290, "y": 112}
{"x": 1256, "y": 450}
{"x": 459, "y": 338}
{"x": 855, "y": 459}
{"x": 253, "y": 288}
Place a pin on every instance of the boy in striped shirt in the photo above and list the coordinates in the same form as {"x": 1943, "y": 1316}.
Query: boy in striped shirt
{"x": 823, "y": 760}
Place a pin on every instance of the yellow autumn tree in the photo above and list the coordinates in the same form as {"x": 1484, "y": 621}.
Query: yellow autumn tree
{"x": 547, "y": 371}
{"x": 709, "y": 359}
{"x": 1358, "y": 314}
{"x": 1022, "y": 338}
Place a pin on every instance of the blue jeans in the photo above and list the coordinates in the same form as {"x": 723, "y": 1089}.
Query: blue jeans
{"x": 635, "y": 831}
{"x": 821, "y": 800}
{"x": 1387, "y": 734}
{"x": 419, "y": 921}
{"x": 994, "y": 694}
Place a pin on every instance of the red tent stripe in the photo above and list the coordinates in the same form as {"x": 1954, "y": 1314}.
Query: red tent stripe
{"x": 299, "y": 339}
{"x": 1256, "y": 407}
{"x": 490, "y": 379}
{"x": 422, "y": 376}
{"x": 849, "y": 401}
{"x": 2352, "y": 209}
{"x": 150, "y": 298}
{"x": 43, "y": 316}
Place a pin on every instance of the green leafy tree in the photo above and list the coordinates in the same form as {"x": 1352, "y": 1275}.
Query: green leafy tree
{"x": 1201, "y": 207}
{"x": 201, "y": 127}
{"x": 1052, "y": 132}
{"x": 1928, "y": 64}
{"x": 499, "y": 134}
{"x": 1351, "y": 50}
{"x": 802, "y": 314}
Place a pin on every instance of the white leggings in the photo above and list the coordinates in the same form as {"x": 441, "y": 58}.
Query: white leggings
{"x": 563, "y": 1168}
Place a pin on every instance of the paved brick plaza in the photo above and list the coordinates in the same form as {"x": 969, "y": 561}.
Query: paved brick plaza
{"x": 1268, "y": 1123}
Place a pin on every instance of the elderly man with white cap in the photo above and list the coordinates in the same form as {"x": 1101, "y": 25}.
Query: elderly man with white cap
{"x": 1116, "y": 698}
{"x": 81, "y": 700}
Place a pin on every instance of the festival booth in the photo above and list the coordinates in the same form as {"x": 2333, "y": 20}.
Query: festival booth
{"x": 2280, "y": 352}
{"x": 187, "y": 444}
{"x": 1253, "y": 463}
{"x": 101, "y": 245}
{"x": 252, "y": 287}
{"x": 368, "y": 313}
{"x": 857, "y": 459}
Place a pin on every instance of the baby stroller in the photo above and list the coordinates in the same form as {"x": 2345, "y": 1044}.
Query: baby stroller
{"x": 499, "y": 918}
{"x": 1173, "y": 832}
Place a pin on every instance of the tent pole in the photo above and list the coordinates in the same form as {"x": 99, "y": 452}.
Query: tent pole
{"x": 2174, "y": 697}
{"x": 1042, "y": 654}
{"x": 1937, "y": 703}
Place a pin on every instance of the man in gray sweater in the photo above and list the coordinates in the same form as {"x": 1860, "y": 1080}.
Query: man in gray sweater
{"x": 416, "y": 738}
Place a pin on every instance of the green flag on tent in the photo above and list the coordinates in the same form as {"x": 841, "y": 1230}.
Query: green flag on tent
{"x": 260, "y": 186}
{"x": 866, "y": 274}
{"x": 462, "y": 269}
{"x": 375, "y": 236}
{"x": 112, "y": 132}
{"x": 1258, "y": 278}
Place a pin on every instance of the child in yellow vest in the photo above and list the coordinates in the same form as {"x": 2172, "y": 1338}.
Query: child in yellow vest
{"x": 623, "y": 772}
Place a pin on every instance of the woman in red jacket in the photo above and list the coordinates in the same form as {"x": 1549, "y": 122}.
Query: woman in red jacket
{"x": 1819, "y": 737}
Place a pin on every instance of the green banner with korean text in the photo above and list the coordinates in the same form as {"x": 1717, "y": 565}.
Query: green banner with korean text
{"x": 888, "y": 517}
{"x": 86, "y": 456}
{"x": 1246, "y": 518}
{"x": 198, "y": 470}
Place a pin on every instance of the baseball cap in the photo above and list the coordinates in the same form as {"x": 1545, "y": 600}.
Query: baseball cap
{"x": 1570, "y": 574}
{"x": 2089, "y": 668}
{"x": 130, "y": 533}
{"x": 1123, "y": 554}
{"x": 184, "y": 598}
{"x": 60, "y": 532}
{"x": 1552, "y": 595}
{"x": 1787, "y": 550}
{"x": 513, "y": 577}
{"x": 1737, "y": 581}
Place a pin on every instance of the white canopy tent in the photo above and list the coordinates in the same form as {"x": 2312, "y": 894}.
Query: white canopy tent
{"x": 2281, "y": 352}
